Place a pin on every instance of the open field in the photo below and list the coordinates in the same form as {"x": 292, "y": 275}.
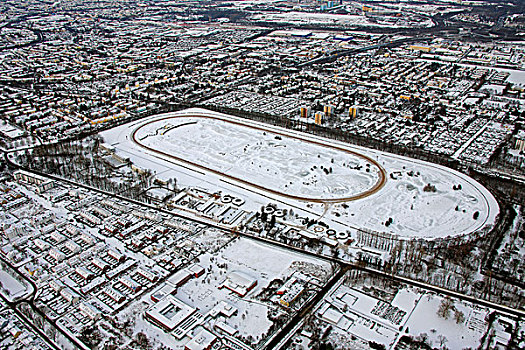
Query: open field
{"x": 298, "y": 168}
{"x": 256, "y": 162}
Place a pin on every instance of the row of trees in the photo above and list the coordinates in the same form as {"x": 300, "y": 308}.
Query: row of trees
{"x": 80, "y": 161}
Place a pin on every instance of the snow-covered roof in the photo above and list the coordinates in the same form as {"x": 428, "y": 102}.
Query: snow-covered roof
{"x": 170, "y": 312}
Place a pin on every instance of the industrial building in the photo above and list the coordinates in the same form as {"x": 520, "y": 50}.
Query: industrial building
{"x": 169, "y": 313}
{"x": 239, "y": 283}
{"x": 203, "y": 340}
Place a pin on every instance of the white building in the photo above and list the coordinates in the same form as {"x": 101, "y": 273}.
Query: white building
{"x": 114, "y": 295}
{"x": 56, "y": 254}
{"x": 69, "y": 295}
{"x": 169, "y": 313}
{"x": 40, "y": 244}
{"x": 90, "y": 311}
{"x": 72, "y": 246}
{"x": 203, "y": 340}
{"x": 84, "y": 273}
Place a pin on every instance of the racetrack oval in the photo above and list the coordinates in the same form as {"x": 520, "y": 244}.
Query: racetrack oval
{"x": 280, "y": 163}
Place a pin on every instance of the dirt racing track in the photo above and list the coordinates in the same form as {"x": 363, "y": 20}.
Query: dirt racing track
{"x": 368, "y": 192}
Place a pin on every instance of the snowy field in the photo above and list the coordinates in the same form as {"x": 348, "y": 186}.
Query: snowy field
{"x": 449, "y": 332}
{"x": 295, "y": 17}
{"x": 412, "y": 312}
{"x": 419, "y": 213}
{"x": 259, "y": 261}
{"x": 293, "y": 166}
{"x": 445, "y": 208}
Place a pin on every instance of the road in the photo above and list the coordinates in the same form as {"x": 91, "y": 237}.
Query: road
{"x": 344, "y": 265}
{"x": 30, "y": 301}
{"x": 280, "y": 337}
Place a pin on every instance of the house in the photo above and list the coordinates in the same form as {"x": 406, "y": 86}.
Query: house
{"x": 56, "y": 285}
{"x": 95, "y": 284}
{"x": 72, "y": 246}
{"x": 57, "y": 237}
{"x": 40, "y": 244}
{"x": 114, "y": 295}
{"x": 116, "y": 255}
{"x": 131, "y": 284}
{"x": 84, "y": 273}
{"x": 86, "y": 238}
{"x": 69, "y": 295}
{"x": 101, "y": 264}
{"x": 56, "y": 254}
{"x": 90, "y": 311}
{"x": 150, "y": 276}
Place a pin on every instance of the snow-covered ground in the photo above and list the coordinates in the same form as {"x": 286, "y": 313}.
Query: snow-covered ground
{"x": 10, "y": 287}
{"x": 412, "y": 312}
{"x": 295, "y": 166}
{"x": 415, "y": 212}
{"x": 419, "y": 213}
{"x": 467, "y": 334}
{"x": 295, "y": 17}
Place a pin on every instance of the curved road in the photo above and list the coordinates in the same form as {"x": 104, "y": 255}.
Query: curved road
{"x": 376, "y": 187}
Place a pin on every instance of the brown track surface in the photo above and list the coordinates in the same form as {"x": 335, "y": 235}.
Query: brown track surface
{"x": 377, "y": 186}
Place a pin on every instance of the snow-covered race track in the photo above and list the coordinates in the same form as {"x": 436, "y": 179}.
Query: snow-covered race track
{"x": 264, "y": 159}
{"x": 356, "y": 188}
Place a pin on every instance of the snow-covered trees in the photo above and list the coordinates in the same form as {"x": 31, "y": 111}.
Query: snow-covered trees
{"x": 445, "y": 308}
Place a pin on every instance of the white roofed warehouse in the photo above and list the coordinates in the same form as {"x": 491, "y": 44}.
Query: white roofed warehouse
{"x": 239, "y": 282}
